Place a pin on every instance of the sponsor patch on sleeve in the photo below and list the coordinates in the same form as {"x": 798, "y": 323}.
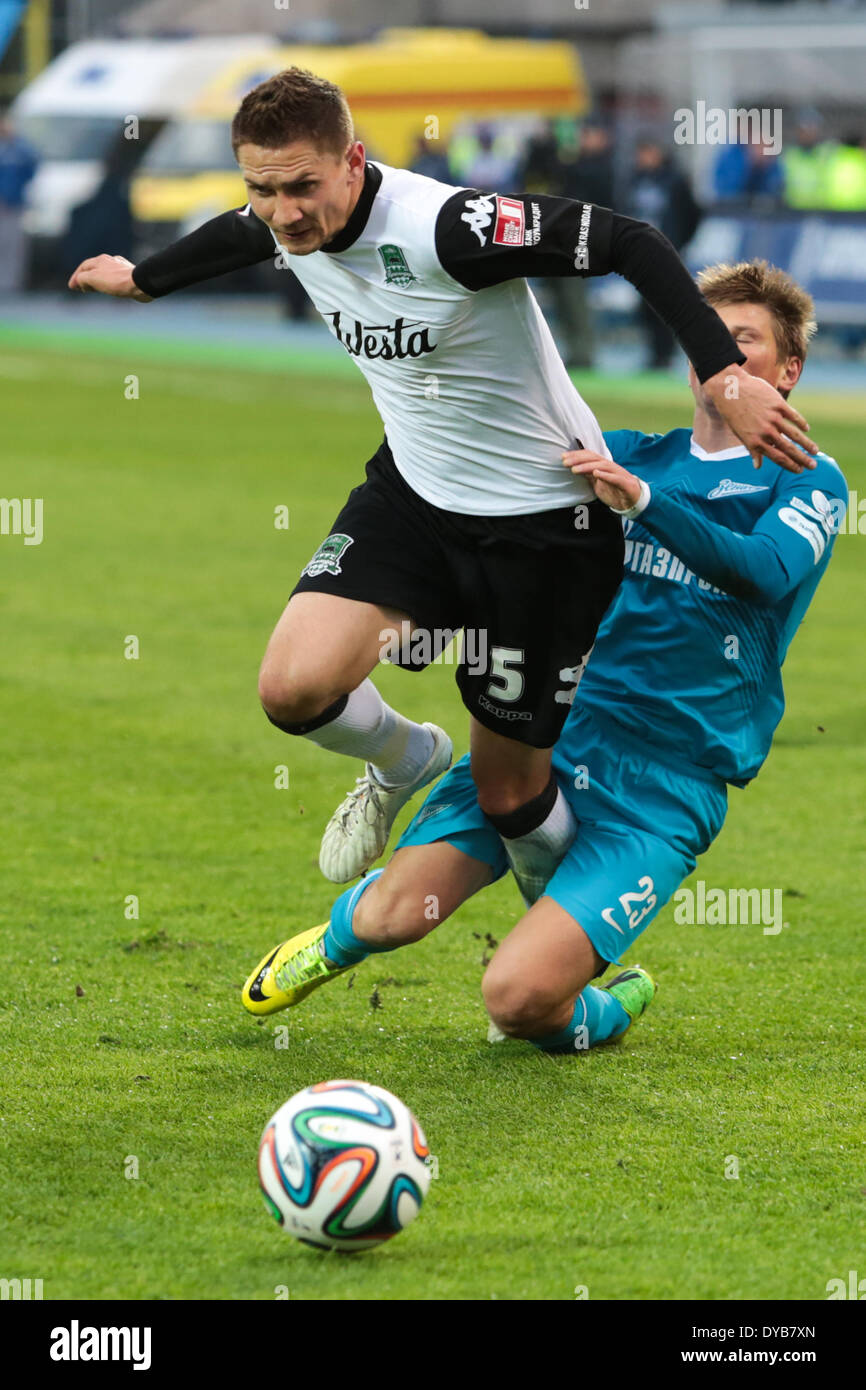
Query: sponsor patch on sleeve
{"x": 510, "y": 222}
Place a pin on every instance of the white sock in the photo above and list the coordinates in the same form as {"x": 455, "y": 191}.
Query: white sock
{"x": 397, "y": 747}
{"x": 535, "y": 857}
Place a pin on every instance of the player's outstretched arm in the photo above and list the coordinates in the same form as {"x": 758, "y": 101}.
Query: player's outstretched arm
{"x": 789, "y": 540}
{"x": 483, "y": 239}
{"x": 228, "y": 242}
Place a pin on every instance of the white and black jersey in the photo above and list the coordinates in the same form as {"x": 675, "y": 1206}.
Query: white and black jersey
{"x": 425, "y": 287}
{"x": 467, "y": 517}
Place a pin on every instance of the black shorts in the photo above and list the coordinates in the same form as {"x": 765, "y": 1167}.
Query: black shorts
{"x": 529, "y": 592}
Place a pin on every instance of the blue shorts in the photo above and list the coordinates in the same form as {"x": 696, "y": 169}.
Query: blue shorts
{"x": 640, "y": 826}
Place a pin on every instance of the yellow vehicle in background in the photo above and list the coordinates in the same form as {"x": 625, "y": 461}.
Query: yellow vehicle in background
{"x": 408, "y": 83}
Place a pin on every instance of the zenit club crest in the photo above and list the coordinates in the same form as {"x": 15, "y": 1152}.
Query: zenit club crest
{"x": 397, "y": 270}
{"x": 327, "y": 558}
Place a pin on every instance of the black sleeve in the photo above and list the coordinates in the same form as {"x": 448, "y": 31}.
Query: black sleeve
{"x": 228, "y": 242}
{"x": 483, "y": 239}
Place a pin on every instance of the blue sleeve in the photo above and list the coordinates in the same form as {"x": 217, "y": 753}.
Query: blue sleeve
{"x": 788, "y": 542}
{"x": 624, "y": 445}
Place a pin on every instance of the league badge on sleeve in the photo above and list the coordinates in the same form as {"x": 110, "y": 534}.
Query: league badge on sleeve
{"x": 510, "y": 222}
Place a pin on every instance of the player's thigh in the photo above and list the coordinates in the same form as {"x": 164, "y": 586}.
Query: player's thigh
{"x": 547, "y": 959}
{"x": 326, "y": 644}
{"x": 506, "y": 773}
{"x": 420, "y": 887}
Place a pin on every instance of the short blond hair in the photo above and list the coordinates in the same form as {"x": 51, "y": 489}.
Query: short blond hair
{"x": 757, "y": 282}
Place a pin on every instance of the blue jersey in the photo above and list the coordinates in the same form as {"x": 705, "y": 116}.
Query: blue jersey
{"x": 719, "y": 569}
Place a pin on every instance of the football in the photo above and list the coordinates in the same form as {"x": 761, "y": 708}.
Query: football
{"x": 342, "y": 1165}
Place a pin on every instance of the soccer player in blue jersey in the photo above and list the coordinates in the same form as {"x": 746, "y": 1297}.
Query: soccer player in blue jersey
{"x": 680, "y": 698}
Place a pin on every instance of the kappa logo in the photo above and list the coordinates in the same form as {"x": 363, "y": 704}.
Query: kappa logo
{"x": 479, "y": 215}
{"x": 327, "y": 558}
{"x": 726, "y": 487}
{"x": 510, "y": 715}
{"x": 397, "y": 270}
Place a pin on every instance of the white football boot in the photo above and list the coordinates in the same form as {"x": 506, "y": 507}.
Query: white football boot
{"x": 358, "y": 830}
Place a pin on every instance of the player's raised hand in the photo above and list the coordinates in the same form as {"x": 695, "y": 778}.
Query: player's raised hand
{"x": 765, "y": 422}
{"x": 613, "y": 484}
{"x": 108, "y": 275}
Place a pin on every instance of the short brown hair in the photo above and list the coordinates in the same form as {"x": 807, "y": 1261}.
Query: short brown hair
{"x": 758, "y": 282}
{"x": 294, "y": 105}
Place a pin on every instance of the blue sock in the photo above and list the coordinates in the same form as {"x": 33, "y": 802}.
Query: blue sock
{"x": 340, "y": 943}
{"x": 597, "y": 1016}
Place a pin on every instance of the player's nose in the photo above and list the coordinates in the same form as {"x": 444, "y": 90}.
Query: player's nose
{"x": 287, "y": 212}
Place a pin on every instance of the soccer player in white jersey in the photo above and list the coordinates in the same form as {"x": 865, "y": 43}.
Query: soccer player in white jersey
{"x": 466, "y": 518}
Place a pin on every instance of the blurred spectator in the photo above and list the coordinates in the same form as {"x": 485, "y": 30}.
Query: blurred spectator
{"x": 588, "y": 177}
{"x": 804, "y": 163}
{"x": 105, "y": 216}
{"x": 18, "y": 164}
{"x": 430, "y": 160}
{"x": 845, "y": 176}
{"x": 540, "y": 167}
{"x": 493, "y": 165}
{"x": 660, "y": 194}
{"x": 748, "y": 172}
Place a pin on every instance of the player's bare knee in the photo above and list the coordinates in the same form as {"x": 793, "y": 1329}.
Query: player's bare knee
{"x": 515, "y": 1005}
{"x": 293, "y": 697}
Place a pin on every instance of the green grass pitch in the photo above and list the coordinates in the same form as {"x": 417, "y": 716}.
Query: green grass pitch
{"x": 123, "y": 1039}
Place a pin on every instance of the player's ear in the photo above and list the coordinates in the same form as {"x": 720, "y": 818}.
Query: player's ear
{"x": 790, "y": 375}
{"x": 356, "y": 157}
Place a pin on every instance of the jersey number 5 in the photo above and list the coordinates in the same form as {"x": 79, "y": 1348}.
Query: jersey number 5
{"x": 512, "y": 682}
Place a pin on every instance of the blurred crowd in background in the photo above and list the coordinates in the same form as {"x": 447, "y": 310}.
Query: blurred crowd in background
{"x": 584, "y": 160}
{"x": 581, "y": 159}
